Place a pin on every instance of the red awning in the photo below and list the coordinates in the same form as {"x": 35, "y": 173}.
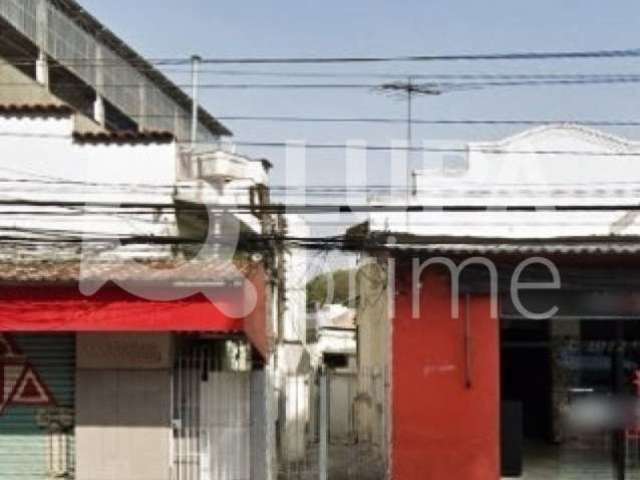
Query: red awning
{"x": 65, "y": 309}
{"x": 32, "y": 309}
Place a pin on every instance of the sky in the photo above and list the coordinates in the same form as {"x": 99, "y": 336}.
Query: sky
{"x": 240, "y": 28}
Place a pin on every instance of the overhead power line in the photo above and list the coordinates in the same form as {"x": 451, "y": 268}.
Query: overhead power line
{"x": 627, "y": 53}
{"x": 415, "y": 121}
{"x": 382, "y": 148}
{"x": 461, "y": 150}
{"x": 399, "y": 75}
{"x": 443, "y": 86}
{"x": 275, "y": 208}
{"x": 526, "y": 55}
{"x": 303, "y": 119}
{"x": 45, "y": 185}
{"x": 348, "y": 74}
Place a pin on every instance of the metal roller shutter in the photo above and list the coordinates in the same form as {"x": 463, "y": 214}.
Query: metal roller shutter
{"x": 37, "y": 406}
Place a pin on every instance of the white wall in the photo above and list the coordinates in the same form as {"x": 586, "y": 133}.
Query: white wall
{"x": 295, "y": 280}
{"x": 41, "y": 151}
{"x": 336, "y": 341}
{"x": 226, "y": 180}
{"x": 543, "y": 167}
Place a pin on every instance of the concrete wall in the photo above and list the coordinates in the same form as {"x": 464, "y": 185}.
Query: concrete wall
{"x": 123, "y": 409}
{"x": 296, "y": 276}
{"x": 342, "y": 393}
{"x": 292, "y": 354}
{"x": 21, "y": 89}
{"x": 374, "y": 347}
{"x": 41, "y": 150}
{"x": 443, "y": 427}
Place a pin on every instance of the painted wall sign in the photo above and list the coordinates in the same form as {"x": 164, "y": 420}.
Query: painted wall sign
{"x": 20, "y": 382}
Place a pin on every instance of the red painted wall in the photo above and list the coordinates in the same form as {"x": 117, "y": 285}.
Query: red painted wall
{"x": 257, "y": 324}
{"x": 443, "y": 430}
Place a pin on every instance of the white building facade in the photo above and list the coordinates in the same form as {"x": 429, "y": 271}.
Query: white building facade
{"x": 551, "y": 166}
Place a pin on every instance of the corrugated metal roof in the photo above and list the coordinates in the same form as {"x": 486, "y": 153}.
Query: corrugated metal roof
{"x": 468, "y": 245}
{"x": 612, "y": 246}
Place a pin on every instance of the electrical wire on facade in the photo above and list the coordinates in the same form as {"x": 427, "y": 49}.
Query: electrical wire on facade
{"x": 315, "y": 209}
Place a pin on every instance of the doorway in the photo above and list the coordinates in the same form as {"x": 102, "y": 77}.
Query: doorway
{"x": 569, "y": 399}
{"x": 219, "y": 412}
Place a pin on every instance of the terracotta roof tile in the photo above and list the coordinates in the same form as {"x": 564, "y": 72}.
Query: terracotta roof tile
{"x": 168, "y": 272}
{"x": 35, "y": 110}
{"x": 124, "y": 137}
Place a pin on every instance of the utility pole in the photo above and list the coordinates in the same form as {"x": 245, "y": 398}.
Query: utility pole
{"x": 195, "y": 79}
{"x": 409, "y": 112}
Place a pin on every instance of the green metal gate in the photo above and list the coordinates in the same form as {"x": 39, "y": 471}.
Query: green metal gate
{"x": 37, "y": 374}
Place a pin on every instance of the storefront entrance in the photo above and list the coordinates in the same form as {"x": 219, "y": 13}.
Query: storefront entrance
{"x": 569, "y": 388}
{"x": 219, "y": 411}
